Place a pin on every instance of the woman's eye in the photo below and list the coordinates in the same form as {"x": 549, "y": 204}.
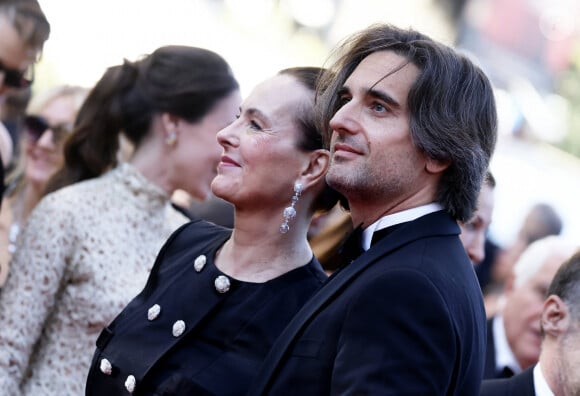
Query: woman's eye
{"x": 254, "y": 125}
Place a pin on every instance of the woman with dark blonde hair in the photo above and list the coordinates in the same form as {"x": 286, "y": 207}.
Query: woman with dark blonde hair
{"x": 217, "y": 298}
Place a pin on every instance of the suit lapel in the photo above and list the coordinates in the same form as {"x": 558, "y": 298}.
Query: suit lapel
{"x": 438, "y": 223}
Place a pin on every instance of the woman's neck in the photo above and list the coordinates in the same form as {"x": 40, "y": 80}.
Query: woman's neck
{"x": 150, "y": 163}
{"x": 258, "y": 252}
{"x": 25, "y": 201}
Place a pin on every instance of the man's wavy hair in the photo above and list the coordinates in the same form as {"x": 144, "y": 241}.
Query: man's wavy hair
{"x": 451, "y": 104}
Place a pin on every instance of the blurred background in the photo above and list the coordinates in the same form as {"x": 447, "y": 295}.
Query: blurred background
{"x": 529, "y": 48}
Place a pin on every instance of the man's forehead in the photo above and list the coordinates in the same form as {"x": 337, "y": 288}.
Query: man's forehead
{"x": 383, "y": 63}
{"x": 384, "y": 71}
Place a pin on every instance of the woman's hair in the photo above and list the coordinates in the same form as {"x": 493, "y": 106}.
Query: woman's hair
{"x": 184, "y": 81}
{"x": 311, "y": 138}
{"x": 40, "y": 100}
{"x": 15, "y": 179}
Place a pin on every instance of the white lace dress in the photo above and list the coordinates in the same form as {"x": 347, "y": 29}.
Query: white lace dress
{"x": 85, "y": 253}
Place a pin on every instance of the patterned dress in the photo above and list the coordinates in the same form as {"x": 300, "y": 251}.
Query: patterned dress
{"x": 85, "y": 253}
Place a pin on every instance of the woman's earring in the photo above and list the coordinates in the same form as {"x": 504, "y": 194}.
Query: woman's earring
{"x": 290, "y": 212}
{"x": 171, "y": 138}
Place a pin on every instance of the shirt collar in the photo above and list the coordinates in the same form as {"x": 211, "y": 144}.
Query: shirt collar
{"x": 397, "y": 218}
{"x": 504, "y": 357}
{"x": 540, "y": 385}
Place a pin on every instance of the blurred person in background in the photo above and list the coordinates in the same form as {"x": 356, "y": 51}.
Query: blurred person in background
{"x": 217, "y": 298}
{"x": 557, "y": 372}
{"x": 6, "y": 150}
{"x": 23, "y": 31}
{"x": 513, "y": 334}
{"x": 541, "y": 220}
{"x": 12, "y": 113}
{"x": 326, "y": 235}
{"x": 49, "y": 121}
{"x": 88, "y": 247}
{"x": 474, "y": 231}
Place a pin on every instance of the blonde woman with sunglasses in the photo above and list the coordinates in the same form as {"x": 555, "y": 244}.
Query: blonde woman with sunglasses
{"x": 49, "y": 121}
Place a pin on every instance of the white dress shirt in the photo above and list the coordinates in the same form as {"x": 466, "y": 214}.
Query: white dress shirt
{"x": 504, "y": 357}
{"x": 397, "y": 218}
{"x": 540, "y": 385}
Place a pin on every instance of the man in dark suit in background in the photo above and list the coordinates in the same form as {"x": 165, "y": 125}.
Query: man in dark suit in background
{"x": 474, "y": 231}
{"x": 413, "y": 128}
{"x": 513, "y": 335}
{"x": 558, "y": 369}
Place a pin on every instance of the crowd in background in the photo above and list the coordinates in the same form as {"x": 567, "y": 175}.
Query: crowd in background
{"x": 109, "y": 190}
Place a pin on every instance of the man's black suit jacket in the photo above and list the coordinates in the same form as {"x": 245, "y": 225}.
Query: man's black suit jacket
{"x": 521, "y": 384}
{"x": 405, "y": 318}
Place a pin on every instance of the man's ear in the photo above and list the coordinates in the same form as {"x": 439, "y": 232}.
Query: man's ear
{"x": 435, "y": 166}
{"x": 315, "y": 167}
{"x": 555, "y": 316}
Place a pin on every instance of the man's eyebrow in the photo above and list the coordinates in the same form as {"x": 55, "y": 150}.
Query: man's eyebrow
{"x": 343, "y": 90}
{"x": 374, "y": 93}
{"x": 383, "y": 96}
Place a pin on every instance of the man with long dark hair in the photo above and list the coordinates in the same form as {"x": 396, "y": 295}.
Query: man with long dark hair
{"x": 413, "y": 127}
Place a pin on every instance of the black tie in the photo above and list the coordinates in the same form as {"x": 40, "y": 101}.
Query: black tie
{"x": 505, "y": 373}
{"x": 351, "y": 246}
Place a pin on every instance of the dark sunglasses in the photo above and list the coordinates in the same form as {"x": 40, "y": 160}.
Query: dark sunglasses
{"x": 16, "y": 78}
{"x": 36, "y": 126}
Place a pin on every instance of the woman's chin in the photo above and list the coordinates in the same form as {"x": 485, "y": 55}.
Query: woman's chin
{"x": 217, "y": 187}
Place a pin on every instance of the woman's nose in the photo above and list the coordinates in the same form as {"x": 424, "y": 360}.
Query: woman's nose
{"x": 46, "y": 139}
{"x": 228, "y": 136}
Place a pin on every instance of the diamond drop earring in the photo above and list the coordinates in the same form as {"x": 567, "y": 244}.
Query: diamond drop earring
{"x": 290, "y": 212}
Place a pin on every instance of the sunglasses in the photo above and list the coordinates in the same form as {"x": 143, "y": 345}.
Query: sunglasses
{"x": 36, "y": 126}
{"x": 16, "y": 78}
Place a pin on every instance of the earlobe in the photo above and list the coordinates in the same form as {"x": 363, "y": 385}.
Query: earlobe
{"x": 170, "y": 127}
{"x": 434, "y": 166}
{"x": 555, "y": 316}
